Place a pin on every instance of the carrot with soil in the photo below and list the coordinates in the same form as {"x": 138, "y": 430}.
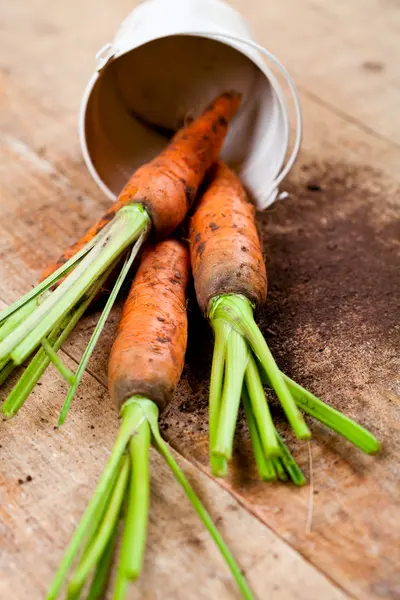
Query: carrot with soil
{"x": 145, "y": 366}
{"x": 230, "y": 281}
{"x": 156, "y": 198}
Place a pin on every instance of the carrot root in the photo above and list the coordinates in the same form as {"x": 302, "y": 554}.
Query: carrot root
{"x": 157, "y": 196}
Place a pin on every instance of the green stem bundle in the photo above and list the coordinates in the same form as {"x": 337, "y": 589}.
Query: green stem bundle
{"x": 122, "y": 496}
{"x": 43, "y": 319}
{"x": 242, "y": 362}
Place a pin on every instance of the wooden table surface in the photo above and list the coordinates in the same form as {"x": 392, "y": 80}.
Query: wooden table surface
{"x": 332, "y": 319}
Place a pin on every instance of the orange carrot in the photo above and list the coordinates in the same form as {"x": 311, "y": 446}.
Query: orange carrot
{"x": 230, "y": 280}
{"x": 148, "y": 354}
{"x": 224, "y": 245}
{"x": 167, "y": 185}
{"x": 145, "y": 365}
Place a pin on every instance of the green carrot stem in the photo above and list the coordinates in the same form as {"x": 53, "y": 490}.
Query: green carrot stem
{"x": 152, "y": 416}
{"x": 290, "y": 465}
{"x": 101, "y": 509}
{"x": 269, "y": 469}
{"x": 104, "y": 533}
{"x": 280, "y": 471}
{"x": 99, "y": 328}
{"x": 66, "y": 373}
{"x": 55, "y": 305}
{"x": 6, "y": 372}
{"x": 221, "y": 331}
{"x": 235, "y": 366}
{"x": 94, "y": 526}
{"x": 3, "y": 363}
{"x": 238, "y": 312}
{"x": 136, "y": 519}
{"x": 261, "y": 412}
{"x": 128, "y": 426}
{"x": 127, "y": 226}
{"x": 102, "y": 572}
{"x": 16, "y": 318}
{"x": 41, "y": 361}
{"x": 47, "y": 283}
{"x": 25, "y": 383}
{"x": 265, "y": 466}
{"x": 121, "y": 586}
{"x": 332, "y": 418}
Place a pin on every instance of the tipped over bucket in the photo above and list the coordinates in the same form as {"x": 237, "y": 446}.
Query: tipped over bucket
{"x": 168, "y": 61}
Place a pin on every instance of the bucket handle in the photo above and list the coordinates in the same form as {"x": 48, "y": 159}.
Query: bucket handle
{"x": 272, "y": 192}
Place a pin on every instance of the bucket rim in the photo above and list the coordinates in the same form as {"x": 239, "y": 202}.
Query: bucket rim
{"x": 109, "y": 54}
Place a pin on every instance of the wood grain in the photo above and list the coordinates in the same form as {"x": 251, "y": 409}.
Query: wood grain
{"x": 333, "y": 319}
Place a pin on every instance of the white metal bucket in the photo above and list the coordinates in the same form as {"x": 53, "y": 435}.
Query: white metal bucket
{"x": 169, "y": 59}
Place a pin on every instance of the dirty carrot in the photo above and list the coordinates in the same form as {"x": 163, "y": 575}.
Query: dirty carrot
{"x": 145, "y": 366}
{"x": 156, "y": 198}
{"x": 230, "y": 281}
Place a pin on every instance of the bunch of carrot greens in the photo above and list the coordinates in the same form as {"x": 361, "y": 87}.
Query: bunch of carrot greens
{"x": 148, "y": 354}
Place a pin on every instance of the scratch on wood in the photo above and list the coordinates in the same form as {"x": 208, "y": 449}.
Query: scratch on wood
{"x": 42, "y": 166}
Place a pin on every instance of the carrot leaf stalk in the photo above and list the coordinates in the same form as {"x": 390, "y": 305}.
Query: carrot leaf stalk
{"x": 332, "y": 418}
{"x": 99, "y": 328}
{"x": 261, "y": 410}
{"x": 126, "y": 227}
{"x": 123, "y": 494}
{"x": 92, "y": 518}
{"x": 199, "y": 508}
{"x": 234, "y": 375}
{"x": 221, "y": 332}
{"x": 235, "y": 367}
{"x": 102, "y": 572}
{"x": 6, "y": 371}
{"x": 235, "y": 312}
{"x": 41, "y": 360}
{"x": 38, "y": 291}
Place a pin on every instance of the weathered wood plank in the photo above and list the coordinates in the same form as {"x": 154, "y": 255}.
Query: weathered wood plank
{"x": 331, "y": 257}
{"x": 341, "y": 54}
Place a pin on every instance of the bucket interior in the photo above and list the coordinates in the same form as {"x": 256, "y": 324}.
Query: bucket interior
{"x": 141, "y": 98}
